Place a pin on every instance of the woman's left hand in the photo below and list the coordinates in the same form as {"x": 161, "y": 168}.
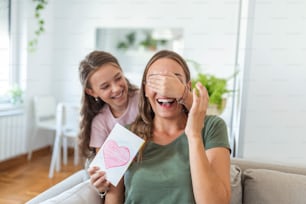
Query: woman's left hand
{"x": 197, "y": 113}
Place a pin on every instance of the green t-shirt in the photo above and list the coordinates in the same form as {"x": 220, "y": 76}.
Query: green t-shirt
{"x": 163, "y": 175}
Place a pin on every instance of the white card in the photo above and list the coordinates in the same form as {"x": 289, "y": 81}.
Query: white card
{"x": 117, "y": 153}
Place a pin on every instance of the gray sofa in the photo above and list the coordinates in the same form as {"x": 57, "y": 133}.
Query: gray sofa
{"x": 253, "y": 182}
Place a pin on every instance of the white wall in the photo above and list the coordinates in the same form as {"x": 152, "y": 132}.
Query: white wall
{"x": 209, "y": 31}
{"x": 209, "y": 34}
{"x": 273, "y": 111}
{"x": 273, "y": 120}
{"x": 35, "y": 68}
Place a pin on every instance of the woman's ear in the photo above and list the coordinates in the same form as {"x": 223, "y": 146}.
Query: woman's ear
{"x": 89, "y": 92}
{"x": 189, "y": 85}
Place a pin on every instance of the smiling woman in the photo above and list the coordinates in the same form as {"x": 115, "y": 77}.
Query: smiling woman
{"x": 191, "y": 148}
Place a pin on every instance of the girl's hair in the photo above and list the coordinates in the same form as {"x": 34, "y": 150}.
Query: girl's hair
{"x": 143, "y": 125}
{"x": 90, "y": 106}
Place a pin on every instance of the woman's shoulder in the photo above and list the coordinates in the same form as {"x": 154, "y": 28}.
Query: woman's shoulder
{"x": 213, "y": 120}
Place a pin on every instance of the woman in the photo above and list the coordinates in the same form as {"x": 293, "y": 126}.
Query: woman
{"x": 108, "y": 98}
{"x": 186, "y": 157}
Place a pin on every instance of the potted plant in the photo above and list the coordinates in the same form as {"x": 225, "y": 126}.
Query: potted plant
{"x": 128, "y": 42}
{"x": 16, "y": 95}
{"x": 150, "y": 43}
{"x": 133, "y": 41}
{"x": 216, "y": 87}
{"x": 40, "y": 5}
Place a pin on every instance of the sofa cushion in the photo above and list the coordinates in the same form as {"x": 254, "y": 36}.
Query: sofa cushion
{"x": 236, "y": 197}
{"x": 270, "y": 187}
{"x": 81, "y": 193}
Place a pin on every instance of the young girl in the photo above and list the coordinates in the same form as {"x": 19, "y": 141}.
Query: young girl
{"x": 109, "y": 98}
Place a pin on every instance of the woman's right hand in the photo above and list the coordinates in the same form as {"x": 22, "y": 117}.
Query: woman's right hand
{"x": 98, "y": 179}
{"x": 197, "y": 112}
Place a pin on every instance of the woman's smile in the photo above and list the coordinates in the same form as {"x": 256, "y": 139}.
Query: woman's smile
{"x": 165, "y": 102}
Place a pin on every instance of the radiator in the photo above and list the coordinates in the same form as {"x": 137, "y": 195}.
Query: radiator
{"x": 12, "y": 134}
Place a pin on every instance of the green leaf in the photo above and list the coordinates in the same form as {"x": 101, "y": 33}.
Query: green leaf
{"x": 216, "y": 87}
{"x": 39, "y": 7}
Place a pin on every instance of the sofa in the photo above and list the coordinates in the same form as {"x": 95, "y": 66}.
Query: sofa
{"x": 252, "y": 182}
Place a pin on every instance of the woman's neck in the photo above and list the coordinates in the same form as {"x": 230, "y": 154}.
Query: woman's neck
{"x": 167, "y": 130}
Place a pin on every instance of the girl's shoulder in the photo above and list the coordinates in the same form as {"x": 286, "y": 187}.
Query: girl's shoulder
{"x": 103, "y": 113}
{"x": 135, "y": 95}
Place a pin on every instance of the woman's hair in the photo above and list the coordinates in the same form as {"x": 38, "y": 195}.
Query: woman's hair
{"x": 90, "y": 106}
{"x": 143, "y": 125}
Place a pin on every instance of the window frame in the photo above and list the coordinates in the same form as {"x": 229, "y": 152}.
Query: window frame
{"x": 12, "y": 78}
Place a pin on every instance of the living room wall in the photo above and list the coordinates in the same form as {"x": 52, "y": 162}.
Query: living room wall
{"x": 209, "y": 29}
{"x": 273, "y": 110}
{"x": 273, "y": 97}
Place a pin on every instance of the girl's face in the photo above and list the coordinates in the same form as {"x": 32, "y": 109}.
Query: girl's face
{"x": 109, "y": 84}
{"x": 162, "y": 105}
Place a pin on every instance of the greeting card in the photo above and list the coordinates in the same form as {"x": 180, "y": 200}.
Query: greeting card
{"x": 117, "y": 152}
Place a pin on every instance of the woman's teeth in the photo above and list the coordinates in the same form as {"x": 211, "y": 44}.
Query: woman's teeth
{"x": 165, "y": 101}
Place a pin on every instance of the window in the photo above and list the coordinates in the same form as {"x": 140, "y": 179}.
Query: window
{"x": 5, "y": 73}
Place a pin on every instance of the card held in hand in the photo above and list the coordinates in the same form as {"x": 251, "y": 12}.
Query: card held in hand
{"x": 117, "y": 153}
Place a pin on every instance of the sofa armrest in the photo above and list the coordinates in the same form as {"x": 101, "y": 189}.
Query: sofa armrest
{"x": 60, "y": 187}
{"x": 82, "y": 193}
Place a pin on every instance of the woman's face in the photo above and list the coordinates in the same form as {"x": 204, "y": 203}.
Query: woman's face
{"x": 162, "y": 105}
{"x": 109, "y": 84}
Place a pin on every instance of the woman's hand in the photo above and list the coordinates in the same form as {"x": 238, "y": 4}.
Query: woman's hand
{"x": 98, "y": 179}
{"x": 197, "y": 113}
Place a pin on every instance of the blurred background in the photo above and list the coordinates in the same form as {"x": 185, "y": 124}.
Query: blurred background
{"x": 259, "y": 46}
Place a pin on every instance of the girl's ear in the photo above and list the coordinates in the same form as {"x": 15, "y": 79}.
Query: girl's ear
{"x": 89, "y": 92}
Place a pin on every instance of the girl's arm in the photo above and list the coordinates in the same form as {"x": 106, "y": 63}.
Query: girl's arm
{"x": 170, "y": 85}
{"x": 115, "y": 195}
{"x": 209, "y": 169}
{"x": 98, "y": 178}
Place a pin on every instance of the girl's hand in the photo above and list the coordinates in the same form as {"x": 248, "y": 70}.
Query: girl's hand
{"x": 197, "y": 113}
{"x": 166, "y": 84}
{"x": 98, "y": 179}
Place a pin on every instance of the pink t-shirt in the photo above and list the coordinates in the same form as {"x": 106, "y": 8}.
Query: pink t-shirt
{"x": 104, "y": 122}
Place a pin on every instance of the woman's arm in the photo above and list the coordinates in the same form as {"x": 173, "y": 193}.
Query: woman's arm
{"x": 210, "y": 173}
{"x": 209, "y": 169}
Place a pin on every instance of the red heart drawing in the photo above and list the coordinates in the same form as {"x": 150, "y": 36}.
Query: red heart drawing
{"x": 115, "y": 156}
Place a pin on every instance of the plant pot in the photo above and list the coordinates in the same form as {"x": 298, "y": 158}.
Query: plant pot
{"x": 214, "y": 110}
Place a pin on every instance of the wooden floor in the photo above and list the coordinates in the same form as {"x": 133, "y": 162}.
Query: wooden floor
{"x": 21, "y": 180}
